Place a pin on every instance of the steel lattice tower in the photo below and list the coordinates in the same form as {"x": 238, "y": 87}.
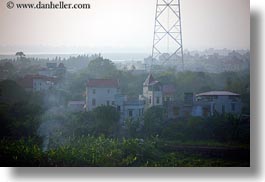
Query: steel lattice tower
{"x": 167, "y": 42}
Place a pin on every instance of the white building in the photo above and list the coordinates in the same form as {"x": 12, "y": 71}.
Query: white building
{"x": 221, "y": 102}
{"x": 42, "y": 83}
{"x": 133, "y": 109}
{"x": 105, "y": 92}
{"x": 152, "y": 92}
{"x": 37, "y": 83}
{"x": 101, "y": 92}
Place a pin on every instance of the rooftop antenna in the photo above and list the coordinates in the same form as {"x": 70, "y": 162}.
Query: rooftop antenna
{"x": 167, "y": 40}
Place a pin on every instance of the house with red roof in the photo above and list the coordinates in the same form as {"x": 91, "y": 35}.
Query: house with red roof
{"x": 101, "y": 92}
{"x": 37, "y": 83}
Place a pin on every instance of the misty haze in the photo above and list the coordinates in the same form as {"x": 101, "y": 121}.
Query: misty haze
{"x": 126, "y": 85}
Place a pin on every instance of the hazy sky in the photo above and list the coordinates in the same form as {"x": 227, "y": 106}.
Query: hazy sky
{"x": 122, "y": 26}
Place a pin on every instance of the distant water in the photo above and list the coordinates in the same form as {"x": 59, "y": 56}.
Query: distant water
{"x": 111, "y": 56}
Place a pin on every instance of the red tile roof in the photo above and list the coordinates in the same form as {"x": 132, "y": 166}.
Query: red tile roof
{"x": 27, "y": 81}
{"x": 103, "y": 83}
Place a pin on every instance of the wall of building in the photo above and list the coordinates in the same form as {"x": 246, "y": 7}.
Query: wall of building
{"x": 223, "y": 104}
{"x": 152, "y": 98}
{"x": 41, "y": 85}
{"x": 133, "y": 111}
{"x": 219, "y": 104}
{"x": 102, "y": 96}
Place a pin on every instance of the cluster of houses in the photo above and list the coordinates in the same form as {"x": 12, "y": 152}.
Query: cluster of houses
{"x": 106, "y": 92}
{"x": 46, "y": 78}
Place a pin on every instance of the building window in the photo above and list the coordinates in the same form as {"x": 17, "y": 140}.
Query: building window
{"x": 107, "y": 103}
{"x": 214, "y": 108}
{"x": 113, "y": 103}
{"x": 233, "y": 107}
{"x": 158, "y": 100}
{"x": 150, "y": 100}
{"x": 223, "y": 109}
{"x": 130, "y": 113}
{"x": 94, "y": 91}
{"x": 108, "y": 91}
{"x": 119, "y": 108}
{"x": 93, "y": 102}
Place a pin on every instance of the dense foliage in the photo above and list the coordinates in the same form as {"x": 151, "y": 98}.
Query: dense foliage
{"x": 101, "y": 151}
{"x": 19, "y": 111}
{"x": 226, "y": 129}
{"x": 154, "y": 118}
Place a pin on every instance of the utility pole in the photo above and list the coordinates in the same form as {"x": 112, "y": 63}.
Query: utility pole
{"x": 167, "y": 40}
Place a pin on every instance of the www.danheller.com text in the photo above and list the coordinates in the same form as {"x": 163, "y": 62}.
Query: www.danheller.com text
{"x": 47, "y": 5}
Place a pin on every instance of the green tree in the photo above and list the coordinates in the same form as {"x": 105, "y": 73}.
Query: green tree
{"x": 101, "y": 68}
{"x": 132, "y": 126}
{"x": 19, "y": 111}
{"x": 21, "y": 55}
{"x": 154, "y": 119}
{"x": 11, "y": 92}
{"x": 106, "y": 120}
